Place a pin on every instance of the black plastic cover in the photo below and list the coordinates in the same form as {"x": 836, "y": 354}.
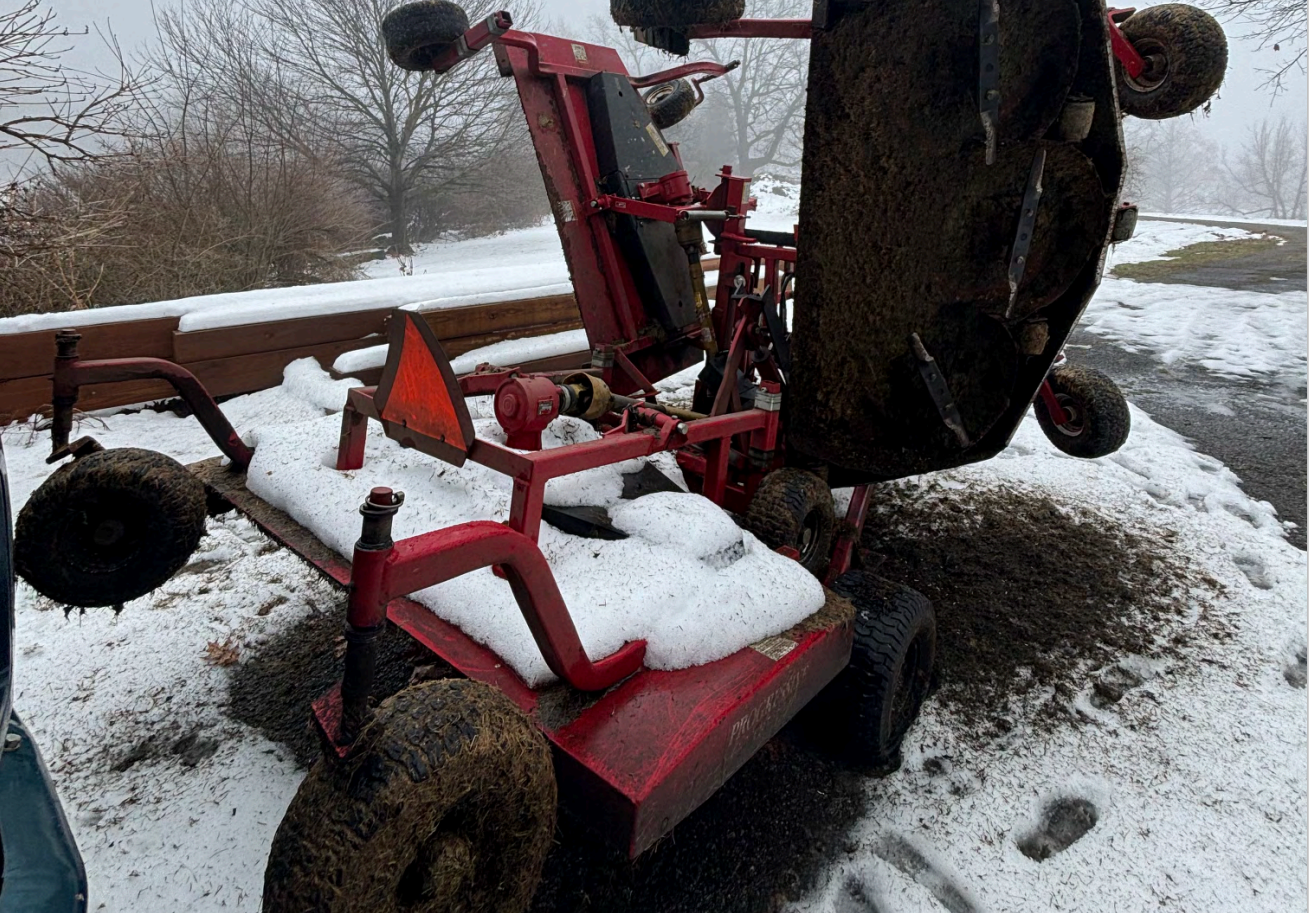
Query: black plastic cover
{"x": 630, "y": 151}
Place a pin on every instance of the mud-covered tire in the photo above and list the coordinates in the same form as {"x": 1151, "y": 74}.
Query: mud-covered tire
{"x": 674, "y": 13}
{"x": 671, "y": 102}
{"x": 1186, "y": 54}
{"x": 417, "y": 33}
{"x": 864, "y": 714}
{"x": 109, "y": 527}
{"x": 446, "y": 803}
{"x": 1099, "y": 420}
{"x": 793, "y": 508}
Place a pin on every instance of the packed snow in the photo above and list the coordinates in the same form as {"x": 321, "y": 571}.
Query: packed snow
{"x": 711, "y": 607}
{"x": 507, "y": 353}
{"x": 1196, "y": 778}
{"x": 1229, "y": 332}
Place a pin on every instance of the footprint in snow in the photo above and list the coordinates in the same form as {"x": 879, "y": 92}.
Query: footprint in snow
{"x": 1063, "y": 822}
{"x": 1254, "y": 569}
{"x": 1111, "y": 684}
{"x": 1295, "y": 671}
{"x": 913, "y": 862}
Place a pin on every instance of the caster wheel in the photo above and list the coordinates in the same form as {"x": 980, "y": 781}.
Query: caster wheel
{"x": 109, "y": 527}
{"x": 793, "y": 508}
{"x": 864, "y": 714}
{"x": 1185, "y": 53}
{"x": 1097, "y": 418}
{"x": 418, "y": 33}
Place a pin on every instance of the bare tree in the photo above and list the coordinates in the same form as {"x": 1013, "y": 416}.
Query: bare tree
{"x": 1277, "y": 25}
{"x": 1172, "y": 166}
{"x": 395, "y": 132}
{"x": 47, "y": 108}
{"x": 752, "y": 118}
{"x": 1269, "y": 174}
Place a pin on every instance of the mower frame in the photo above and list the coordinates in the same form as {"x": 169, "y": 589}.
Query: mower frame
{"x": 635, "y": 750}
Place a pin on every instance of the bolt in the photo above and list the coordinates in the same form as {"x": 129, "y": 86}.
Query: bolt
{"x": 13, "y": 741}
{"x": 681, "y": 427}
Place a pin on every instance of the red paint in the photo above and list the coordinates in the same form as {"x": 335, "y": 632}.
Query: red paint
{"x": 1052, "y": 404}
{"x": 1132, "y": 62}
{"x": 524, "y": 406}
{"x": 70, "y": 373}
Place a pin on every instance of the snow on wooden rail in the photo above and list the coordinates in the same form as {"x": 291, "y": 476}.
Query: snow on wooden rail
{"x": 232, "y": 358}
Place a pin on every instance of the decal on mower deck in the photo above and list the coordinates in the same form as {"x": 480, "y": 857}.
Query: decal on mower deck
{"x": 774, "y": 647}
{"x": 774, "y": 709}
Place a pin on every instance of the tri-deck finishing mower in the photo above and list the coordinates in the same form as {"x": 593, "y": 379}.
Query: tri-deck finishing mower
{"x": 961, "y": 176}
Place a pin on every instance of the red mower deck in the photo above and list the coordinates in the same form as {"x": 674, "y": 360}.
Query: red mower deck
{"x": 636, "y": 759}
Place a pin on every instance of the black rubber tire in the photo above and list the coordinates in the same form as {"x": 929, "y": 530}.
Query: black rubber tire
{"x": 109, "y": 527}
{"x": 1099, "y": 418}
{"x": 671, "y": 102}
{"x": 864, "y": 714}
{"x": 446, "y": 803}
{"x": 674, "y": 13}
{"x": 416, "y": 33}
{"x": 1187, "y": 53}
{"x": 793, "y": 507}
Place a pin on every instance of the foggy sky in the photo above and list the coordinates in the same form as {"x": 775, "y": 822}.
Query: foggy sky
{"x": 1239, "y": 104}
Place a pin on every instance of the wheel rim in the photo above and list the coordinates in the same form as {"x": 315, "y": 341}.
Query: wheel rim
{"x": 443, "y": 872}
{"x": 1155, "y": 73}
{"x": 810, "y": 535}
{"x": 1075, "y": 425}
{"x": 105, "y": 535}
{"x": 659, "y": 93}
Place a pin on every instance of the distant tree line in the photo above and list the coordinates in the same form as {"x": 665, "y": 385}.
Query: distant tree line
{"x": 259, "y": 143}
{"x": 1172, "y": 166}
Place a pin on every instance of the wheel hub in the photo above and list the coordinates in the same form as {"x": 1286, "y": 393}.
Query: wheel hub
{"x": 1075, "y": 424}
{"x": 1155, "y": 73}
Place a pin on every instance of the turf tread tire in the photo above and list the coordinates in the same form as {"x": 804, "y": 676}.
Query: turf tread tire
{"x": 777, "y": 513}
{"x": 1196, "y": 48}
{"x": 446, "y": 803}
{"x": 417, "y": 33}
{"x": 159, "y": 507}
{"x": 1106, "y": 419}
{"x": 674, "y": 107}
{"x": 893, "y": 625}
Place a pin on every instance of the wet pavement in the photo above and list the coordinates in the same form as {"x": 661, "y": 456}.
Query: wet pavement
{"x": 1255, "y": 426}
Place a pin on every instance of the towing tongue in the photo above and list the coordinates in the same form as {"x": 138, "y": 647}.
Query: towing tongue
{"x": 962, "y": 161}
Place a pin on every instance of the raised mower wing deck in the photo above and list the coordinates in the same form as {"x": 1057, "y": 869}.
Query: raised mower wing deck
{"x": 641, "y": 756}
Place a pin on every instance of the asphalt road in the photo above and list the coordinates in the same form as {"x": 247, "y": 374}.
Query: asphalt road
{"x": 1256, "y": 427}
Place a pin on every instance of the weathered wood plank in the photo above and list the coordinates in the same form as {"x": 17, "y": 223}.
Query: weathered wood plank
{"x": 230, "y": 342}
{"x": 33, "y": 354}
{"x": 24, "y": 396}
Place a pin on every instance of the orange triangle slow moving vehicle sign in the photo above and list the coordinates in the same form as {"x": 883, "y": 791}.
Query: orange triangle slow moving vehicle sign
{"x": 418, "y": 398}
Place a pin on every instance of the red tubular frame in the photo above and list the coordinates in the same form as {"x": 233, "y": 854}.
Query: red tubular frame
{"x": 380, "y": 575}
{"x": 71, "y": 373}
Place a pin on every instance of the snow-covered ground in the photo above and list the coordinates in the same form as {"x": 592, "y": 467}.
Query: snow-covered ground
{"x": 1197, "y": 777}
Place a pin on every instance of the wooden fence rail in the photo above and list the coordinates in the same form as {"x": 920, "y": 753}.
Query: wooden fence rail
{"x": 243, "y": 359}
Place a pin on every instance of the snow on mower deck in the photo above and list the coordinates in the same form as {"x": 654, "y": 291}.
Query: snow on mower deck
{"x": 635, "y": 759}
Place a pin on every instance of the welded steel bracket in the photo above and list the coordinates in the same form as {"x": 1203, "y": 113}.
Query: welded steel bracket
{"x": 939, "y": 390}
{"x": 1026, "y": 227}
{"x": 988, "y": 72}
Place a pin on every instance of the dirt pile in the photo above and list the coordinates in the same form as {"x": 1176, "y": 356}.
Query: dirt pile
{"x": 1030, "y": 595}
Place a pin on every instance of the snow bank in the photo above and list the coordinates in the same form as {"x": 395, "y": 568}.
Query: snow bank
{"x": 1154, "y": 239}
{"x": 705, "y": 588}
{"x": 1236, "y": 333}
{"x": 508, "y": 353}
